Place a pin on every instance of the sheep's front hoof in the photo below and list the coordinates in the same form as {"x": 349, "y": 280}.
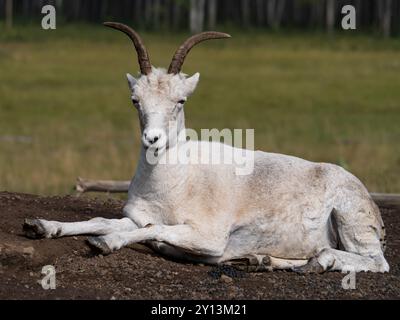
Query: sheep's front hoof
{"x": 34, "y": 229}
{"x": 99, "y": 244}
{"x": 251, "y": 263}
{"x": 312, "y": 266}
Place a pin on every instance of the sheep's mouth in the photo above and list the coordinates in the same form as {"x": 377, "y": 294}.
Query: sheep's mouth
{"x": 155, "y": 150}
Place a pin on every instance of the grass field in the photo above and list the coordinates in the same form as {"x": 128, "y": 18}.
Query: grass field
{"x": 65, "y": 110}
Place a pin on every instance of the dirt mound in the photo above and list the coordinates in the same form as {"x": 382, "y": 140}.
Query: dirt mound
{"x": 139, "y": 274}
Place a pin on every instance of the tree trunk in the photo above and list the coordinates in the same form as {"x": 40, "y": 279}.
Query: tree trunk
{"x": 358, "y": 12}
{"x": 193, "y": 16}
{"x": 176, "y": 14}
{"x": 245, "y": 10}
{"x": 137, "y": 13}
{"x": 386, "y": 17}
{"x": 212, "y": 14}
{"x": 279, "y": 13}
{"x": 330, "y": 15}
{"x": 103, "y": 9}
{"x": 297, "y": 12}
{"x": 201, "y": 15}
{"x": 156, "y": 14}
{"x": 196, "y": 19}
{"x": 59, "y": 4}
{"x": 271, "y": 12}
{"x": 165, "y": 14}
{"x": 260, "y": 12}
{"x": 275, "y": 12}
{"x": 76, "y": 9}
{"x": 26, "y": 7}
{"x": 9, "y": 14}
{"x": 147, "y": 12}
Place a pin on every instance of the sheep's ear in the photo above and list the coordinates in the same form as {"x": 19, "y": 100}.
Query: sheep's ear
{"x": 131, "y": 81}
{"x": 191, "y": 83}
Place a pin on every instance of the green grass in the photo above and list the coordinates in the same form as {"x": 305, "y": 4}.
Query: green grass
{"x": 325, "y": 99}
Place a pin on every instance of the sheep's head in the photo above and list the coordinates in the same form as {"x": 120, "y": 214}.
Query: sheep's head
{"x": 159, "y": 95}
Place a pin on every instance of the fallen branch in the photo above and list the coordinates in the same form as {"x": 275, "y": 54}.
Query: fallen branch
{"x": 386, "y": 200}
{"x": 83, "y": 185}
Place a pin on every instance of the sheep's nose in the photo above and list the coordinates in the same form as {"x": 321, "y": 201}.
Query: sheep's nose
{"x": 152, "y": 136}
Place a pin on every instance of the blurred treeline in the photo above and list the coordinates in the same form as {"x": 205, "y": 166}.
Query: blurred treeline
{"x": 378, "y": 16}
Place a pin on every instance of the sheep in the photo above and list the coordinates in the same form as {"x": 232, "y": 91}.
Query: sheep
{"x": 287, "y": 213}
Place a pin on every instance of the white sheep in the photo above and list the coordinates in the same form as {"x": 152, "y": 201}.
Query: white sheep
{"x": 288, "y": 213}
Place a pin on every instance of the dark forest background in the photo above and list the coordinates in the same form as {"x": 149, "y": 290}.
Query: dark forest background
{"x": 306, "y": 87}
{"x": 377, "y": 16}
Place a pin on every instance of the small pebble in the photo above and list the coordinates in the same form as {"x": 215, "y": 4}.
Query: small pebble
{"x": 226, "y": 279}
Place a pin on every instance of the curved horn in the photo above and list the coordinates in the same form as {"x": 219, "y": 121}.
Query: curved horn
{"x": 183, "y": 50}
{"x": 143, "y": 56}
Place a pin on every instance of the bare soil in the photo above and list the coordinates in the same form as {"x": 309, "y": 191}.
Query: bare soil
{"x": 135, "y": 273}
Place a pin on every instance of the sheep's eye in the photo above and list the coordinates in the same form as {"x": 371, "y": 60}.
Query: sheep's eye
{"x": 182, "y": 101}
{"x": 135, "y": 101}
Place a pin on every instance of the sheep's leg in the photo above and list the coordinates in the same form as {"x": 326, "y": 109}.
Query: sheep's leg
{"x": 250, "y": 263}
{"x": 361, "y": 233}
{"x": 39, "y": 228}
{"x": 337, "y": 260}
{"x": 258, "y": 263}
{"x": 327, "y": 259}
{"x": 286, "y": 264}
{"x": 183, "y": 237}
